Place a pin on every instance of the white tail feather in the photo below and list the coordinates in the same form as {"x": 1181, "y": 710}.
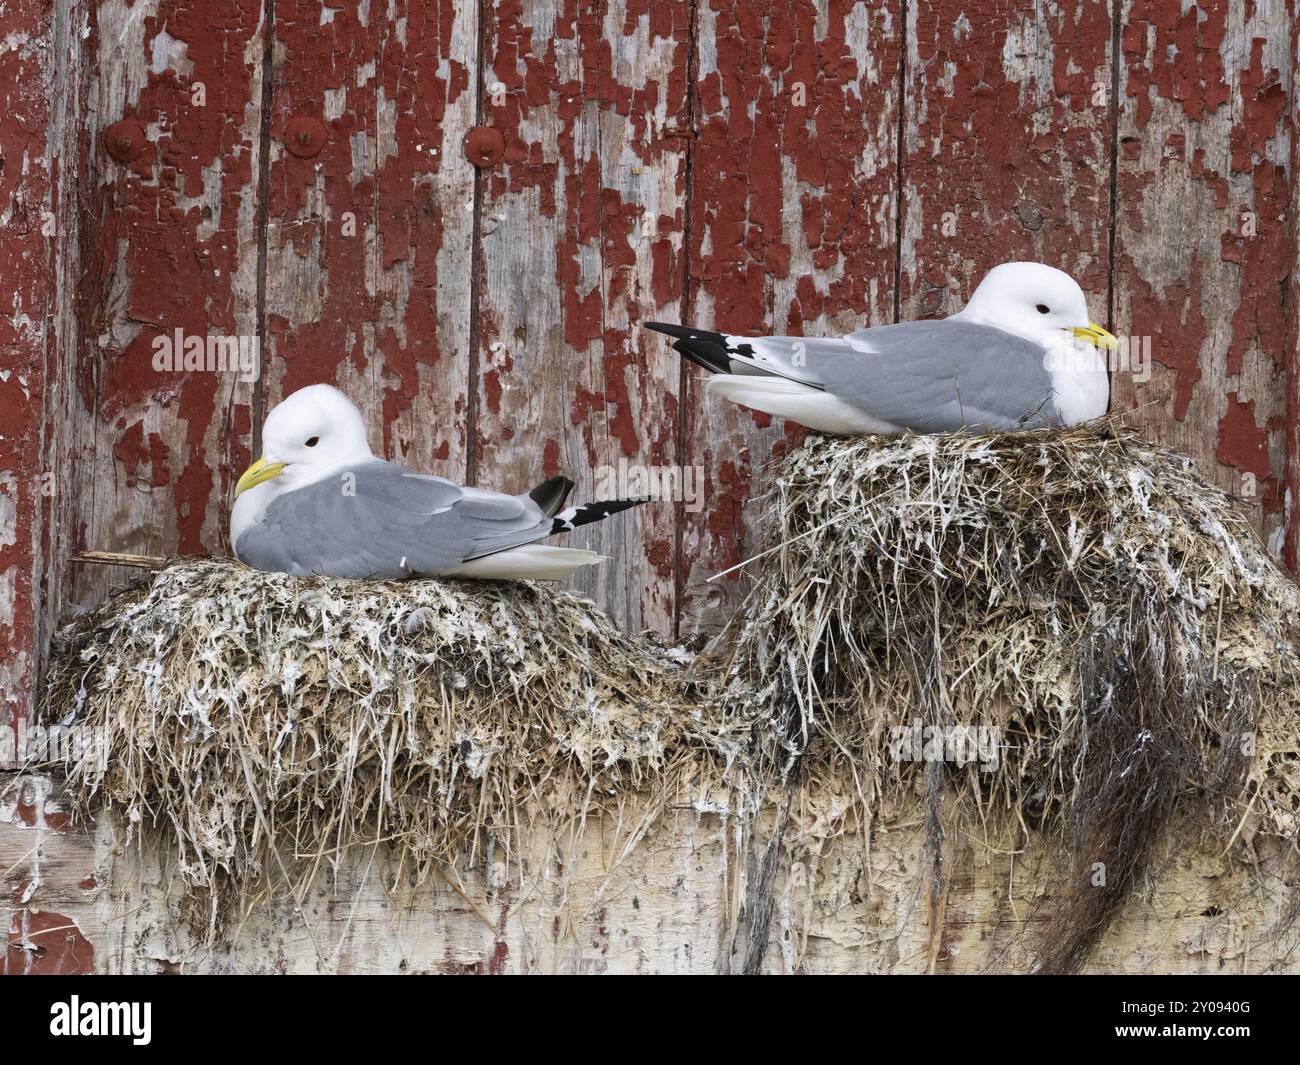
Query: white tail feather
{"x": 532, "y": 562}
{"x": 789, "y": 399}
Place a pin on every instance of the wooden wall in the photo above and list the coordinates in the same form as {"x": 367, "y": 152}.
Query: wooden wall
{"x": 684, "y": 900}
{"x": 789, "y": 165}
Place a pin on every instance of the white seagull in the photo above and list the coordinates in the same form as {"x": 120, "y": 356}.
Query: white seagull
{"x": 1021, "y": 354}
{"x": 318, "y": 502}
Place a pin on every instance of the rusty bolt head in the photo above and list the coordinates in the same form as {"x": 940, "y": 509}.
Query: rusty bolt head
{"x": 125, "y": 140}
{"x": 304, "y": 136}
{"x": 485, "y": 146}
{"x": 1031, "y": 217}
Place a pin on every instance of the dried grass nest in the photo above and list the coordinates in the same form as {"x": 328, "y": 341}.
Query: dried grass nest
{"x": 267, "y": 723}
{"x": 1107, "y": 616}
{"x": 1083, "y": 593}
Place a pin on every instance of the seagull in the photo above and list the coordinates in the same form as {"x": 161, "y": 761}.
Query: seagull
{"x": 1021, "y": 354}
{"x": 318, "y": 502}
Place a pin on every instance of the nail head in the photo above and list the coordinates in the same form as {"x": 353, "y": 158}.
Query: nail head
{"x": 125, "y": 140}
{"x": 305, "y": 136}
{"x": 485, "y": 146}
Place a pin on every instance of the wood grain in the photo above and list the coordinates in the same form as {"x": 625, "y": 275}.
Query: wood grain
{"x": 168, "y": 243}
{"x": 792, "y": 222}
{"x": 79, "y": 901}
{"x": 368, "y": 243}
{"x": 1204, "y": 247}
{"x": 730, "y": 162}
{"x": 580, "y": 241}
{"x": 1006, "y": 147}
{"x": 26, "y": 198}
{"x": 1291, "y": 494}
{"x": 799, "y": 166}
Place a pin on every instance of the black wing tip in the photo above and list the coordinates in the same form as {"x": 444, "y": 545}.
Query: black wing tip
{"x": 671, "y": 329}
{"x": 704, "y": 347}
{"x": 591, "y": 512}
{"x": 689, "y": 333}
{"x": 613, "y": 506}
{"x": 551, "y": 494}
{"x": 707, "y": 348}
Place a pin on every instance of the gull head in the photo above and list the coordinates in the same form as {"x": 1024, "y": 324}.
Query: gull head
{"x": 307, "y": 435}
{"x": 1037, "y": 302}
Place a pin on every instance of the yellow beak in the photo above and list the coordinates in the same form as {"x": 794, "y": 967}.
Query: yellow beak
{"x": 1096, "y": 336}
{"x": 259, "y": 471}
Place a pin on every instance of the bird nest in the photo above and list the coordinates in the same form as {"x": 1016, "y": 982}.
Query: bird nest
{"x": 1071, "y": 628}
{"x": 1068, "y": 633}
{"x": 266, "y": 724}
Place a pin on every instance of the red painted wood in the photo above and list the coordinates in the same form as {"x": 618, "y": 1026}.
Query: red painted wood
{"x": 792, "y": 222}
{"x": 167, "y": 244}
{"x": 1007, "y": 147}
{"x": 1291, "y": 554}
{"x": 1205, "y": 248}
{"x": 580, "y": 241}
{"x": 25, "y": 188}
{"x": 45, "y": 943}
{"x": 726, "y": 162}
{"x": 368, "y": 241}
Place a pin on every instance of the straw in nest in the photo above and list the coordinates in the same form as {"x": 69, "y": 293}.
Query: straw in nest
{"x": 1081, "y": 596}
{"x": 267, "y": 723}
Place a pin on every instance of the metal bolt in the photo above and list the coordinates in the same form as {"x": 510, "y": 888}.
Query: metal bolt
{"x": 125, "y": 140}
{"x": 305, "y": 136}
{"x": 485, "y": 146}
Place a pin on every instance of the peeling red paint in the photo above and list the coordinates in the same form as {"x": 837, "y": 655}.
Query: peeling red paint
{"x": 979, "y": 190}
{"x": 1291, "y": 338}
{"x": 587, "y": 109}
{"x": 1190, "y": 78}
{"x": 180, "y": 257}
{"x": 42, "y": 943}
{"x": 726, "y": 516}
{"x": 661, "y": 555}
{"x": 789, "y": 94}
{"x": 38, "y": 815}
{"x": 551, "y": 457}
{"x": 143, "y": 462}
{"x": 367, "y": 215}
{"x": 731, "y": 163}
{"x": 1242, "y": 444}
{"x": 25, "y": 190}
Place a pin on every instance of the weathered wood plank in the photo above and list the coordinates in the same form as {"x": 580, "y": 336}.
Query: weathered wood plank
{"x": 168, "y": 247}
{"x": 581, "y": 237}
{"x": 1291, "y": 530}
{"x": 792, "y": 229}
{"x": 26, "y": 188}
{"x": 1204, "y": 252}
{"x": 368, "y": 242}
{"x": 75, "y": 899}
{"x": 1006, "y": 147}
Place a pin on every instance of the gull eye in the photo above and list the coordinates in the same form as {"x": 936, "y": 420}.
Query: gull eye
{"x": 1043, "y": 308}
{"x": 313, "y": 441}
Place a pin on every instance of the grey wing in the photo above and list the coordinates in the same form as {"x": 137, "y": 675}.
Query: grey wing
{"x": 379, "y": 520}
{"x": 927, "y": 376}
{"x": 938, "y": 376}
{"x": 797, "y": 358}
